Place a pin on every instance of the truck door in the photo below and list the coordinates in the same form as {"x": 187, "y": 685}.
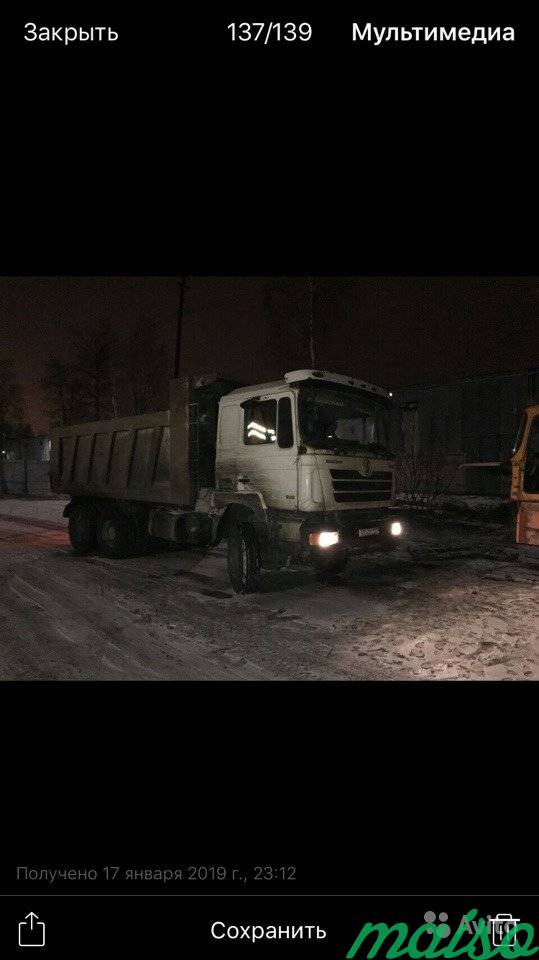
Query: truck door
{"x": 268, "y": 449}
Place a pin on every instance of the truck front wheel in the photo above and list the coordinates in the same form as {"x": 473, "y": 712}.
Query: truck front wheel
{"x": 81, "y": 528}
{"x": 115, "y": 534}
{"x": 243, "y": 558}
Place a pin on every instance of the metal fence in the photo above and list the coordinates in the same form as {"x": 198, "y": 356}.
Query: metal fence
{"x": 28, "y": 478}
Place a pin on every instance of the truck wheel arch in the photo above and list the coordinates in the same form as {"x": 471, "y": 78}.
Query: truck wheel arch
{"x": 234, "y": 513}
{"x": 80, "y": 502}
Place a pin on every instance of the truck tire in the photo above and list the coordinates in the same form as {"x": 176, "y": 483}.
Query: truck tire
{"x": 116, "y": 534}
{"x": 81, "y": 528}
{"x": 243, "y": 558}
{"x": 329, "y": 569}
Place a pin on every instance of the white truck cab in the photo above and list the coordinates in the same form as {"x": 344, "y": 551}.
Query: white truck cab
{"x": 302, "y": 470}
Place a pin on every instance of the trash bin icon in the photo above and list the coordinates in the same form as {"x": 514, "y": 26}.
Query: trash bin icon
{"x": 501, "y": 924}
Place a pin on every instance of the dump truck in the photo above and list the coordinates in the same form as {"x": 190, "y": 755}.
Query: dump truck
{"x": 294, "y": 471}
{"x": 525, "y": 479}
{"x": 523, "y": 468}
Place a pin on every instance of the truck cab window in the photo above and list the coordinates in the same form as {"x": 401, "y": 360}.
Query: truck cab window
{"x": 285, "y": 433}
{"x": 331, "y": 418}
{"x": 260, "y": 422}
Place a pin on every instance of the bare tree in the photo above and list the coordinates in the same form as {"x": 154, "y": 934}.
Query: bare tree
{"x": 82, "y": 383}
{"x": 423, "y": 478}
{"x": 11, "y": 396}
{"x": 143, "y": 367}
{"x": 62, "y": 388}
{"x": 96, "y": 361}
{"x": 98, "y": 377}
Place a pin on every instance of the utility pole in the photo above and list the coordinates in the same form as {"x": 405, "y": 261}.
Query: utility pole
{"x": 311, "y": 319}
{"x": 179, "y": 324}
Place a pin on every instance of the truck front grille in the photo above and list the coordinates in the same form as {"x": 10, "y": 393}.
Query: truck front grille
{"x": 351, "y": 486}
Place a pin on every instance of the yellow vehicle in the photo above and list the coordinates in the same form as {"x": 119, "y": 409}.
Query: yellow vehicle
{"x": 524, "y": 469}
{"x": 525, "y": 478}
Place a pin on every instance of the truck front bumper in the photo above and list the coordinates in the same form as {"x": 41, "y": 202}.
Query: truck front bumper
{"x": 355, "y": 533}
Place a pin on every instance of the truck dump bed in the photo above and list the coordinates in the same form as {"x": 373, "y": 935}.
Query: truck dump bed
{"x": 145, "y": 457}
{"x": 127, "y": 458}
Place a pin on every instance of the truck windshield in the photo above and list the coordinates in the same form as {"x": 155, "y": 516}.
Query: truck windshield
{"x": 335, "y": 419}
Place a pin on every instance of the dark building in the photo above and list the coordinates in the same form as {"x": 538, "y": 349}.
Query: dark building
{"x": 35, "y": 449}
{"x": 475, "y": 419}
{"x": 24, "y": 467}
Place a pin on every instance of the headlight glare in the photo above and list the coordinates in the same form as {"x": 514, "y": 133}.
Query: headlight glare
{"x": 326, "y": 538}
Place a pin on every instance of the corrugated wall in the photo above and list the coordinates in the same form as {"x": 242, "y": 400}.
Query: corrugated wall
{"x": 30, "y": 479}
{"x": 464, "y": 421}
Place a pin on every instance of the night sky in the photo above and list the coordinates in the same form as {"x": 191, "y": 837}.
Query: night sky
{"x": 390, "y": 330}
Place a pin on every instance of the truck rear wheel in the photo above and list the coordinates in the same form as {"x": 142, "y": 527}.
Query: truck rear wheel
{"x": 81, "y": 528}
{"x": 330, "y": 568}
{"x": 115, "y": 534}
{"x": 243, "y": 558}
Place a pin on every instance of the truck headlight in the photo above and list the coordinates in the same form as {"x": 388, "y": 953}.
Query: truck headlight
{"x": 326, "y": 538}
{"x": 395, "y": 529}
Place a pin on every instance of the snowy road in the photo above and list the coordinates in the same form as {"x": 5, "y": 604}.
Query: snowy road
{"x": 446, "y": 606}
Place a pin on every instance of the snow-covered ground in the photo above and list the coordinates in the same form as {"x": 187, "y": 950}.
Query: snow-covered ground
{"x": 448, "y": 604}
{"x": 48, "y": 509}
